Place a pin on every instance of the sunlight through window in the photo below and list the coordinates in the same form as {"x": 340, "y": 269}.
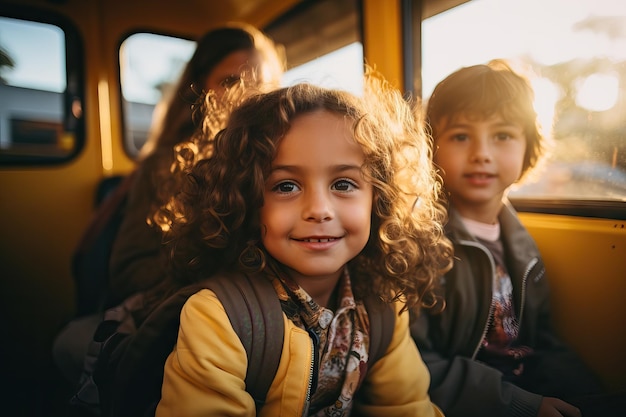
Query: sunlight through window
{"x": 574, "y": 54}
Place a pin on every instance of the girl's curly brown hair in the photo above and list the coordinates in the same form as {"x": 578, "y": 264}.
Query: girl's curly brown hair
{"x": 212, "y": 223}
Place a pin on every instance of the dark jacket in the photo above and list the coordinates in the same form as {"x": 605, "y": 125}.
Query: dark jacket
{"x": 449, "y": 341}
{"x": 136, "y": 263}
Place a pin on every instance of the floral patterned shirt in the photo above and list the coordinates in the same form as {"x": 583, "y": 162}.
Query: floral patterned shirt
{"x": 342, "y": 341}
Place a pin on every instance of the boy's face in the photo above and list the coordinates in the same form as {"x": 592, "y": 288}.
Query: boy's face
{"x": 317, "y": 204}
{"x": 480, "y": 158}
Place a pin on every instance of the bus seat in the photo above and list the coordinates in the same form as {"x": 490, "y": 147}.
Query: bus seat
{"x": 90, "y": 260}
{"x": 106, "y": 186}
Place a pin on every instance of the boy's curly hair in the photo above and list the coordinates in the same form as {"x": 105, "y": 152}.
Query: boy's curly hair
{"x": 482, "y": 91}
{"x": 213, "y": 221}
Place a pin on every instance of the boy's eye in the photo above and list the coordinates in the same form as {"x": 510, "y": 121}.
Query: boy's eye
{"x": 285, "y": 187}
{"x": 510, "y": 135}
{"x": 344, "y": 185}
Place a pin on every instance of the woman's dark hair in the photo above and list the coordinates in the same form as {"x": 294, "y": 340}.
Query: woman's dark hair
{"x": 178, "y": 123}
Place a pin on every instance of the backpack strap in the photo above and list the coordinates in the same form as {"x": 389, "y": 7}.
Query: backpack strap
{"x": 261, "y": 330}
{"x": 256, "y": 316}
{"x": 382, "y": 323}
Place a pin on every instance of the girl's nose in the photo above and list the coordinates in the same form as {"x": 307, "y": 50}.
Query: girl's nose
{"x": 317, "y": 206}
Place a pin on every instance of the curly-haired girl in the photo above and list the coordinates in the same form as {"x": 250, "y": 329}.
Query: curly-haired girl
{"x": 332, "y": 198}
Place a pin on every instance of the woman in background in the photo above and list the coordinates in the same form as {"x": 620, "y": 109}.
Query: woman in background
{"x": 222, "y": 56}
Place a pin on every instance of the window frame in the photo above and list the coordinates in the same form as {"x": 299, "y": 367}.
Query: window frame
{"x": 74, "y": 90}
{"x": 124, "y": 122}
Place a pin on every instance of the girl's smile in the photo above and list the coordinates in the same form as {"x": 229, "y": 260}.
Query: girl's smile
{"x": 318, "y": 243}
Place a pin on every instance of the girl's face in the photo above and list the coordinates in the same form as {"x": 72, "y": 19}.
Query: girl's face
{"x": 480, "y": 159}
{"x": 229, "y": 69}
{"x": 317, "y": 211}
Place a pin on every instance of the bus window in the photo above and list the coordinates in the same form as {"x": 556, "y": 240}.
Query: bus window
{"x": 149, "y": 65}
{"x": 575, "y": 56}
{"x": 41, "y": 105}
{"x": 323, "y": 44}
{"x": 342, "y": 68}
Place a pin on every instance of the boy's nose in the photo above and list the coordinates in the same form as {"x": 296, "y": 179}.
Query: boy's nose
{"x": 481, "y": 151}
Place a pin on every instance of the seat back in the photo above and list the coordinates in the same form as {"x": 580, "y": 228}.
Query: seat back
{"x": 90, "y": 260}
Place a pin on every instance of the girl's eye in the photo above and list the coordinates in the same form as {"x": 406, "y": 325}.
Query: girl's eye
{"x": 285, "y": 187}
{"x": 344, "y": 185}
{"x": 461, "y": 137}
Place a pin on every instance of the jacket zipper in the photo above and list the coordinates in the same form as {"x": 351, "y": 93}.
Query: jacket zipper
{"x": 491, "y": 304}
{"x": 312, "y": 385}
{"x": 529, "y": 268}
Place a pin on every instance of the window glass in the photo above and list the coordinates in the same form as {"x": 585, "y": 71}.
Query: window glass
{"x": 38, "y": 113}
{"x": 149, "y": 65}
{"x": 342, "y": 68}
{"x": 323, "y": 45}
{"x": 575, "y": 55}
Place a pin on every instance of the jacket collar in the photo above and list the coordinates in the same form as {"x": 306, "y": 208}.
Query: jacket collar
{"x": 513, "y": 233}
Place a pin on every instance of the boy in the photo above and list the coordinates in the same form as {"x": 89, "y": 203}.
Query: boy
{"x": 492, "y": 350}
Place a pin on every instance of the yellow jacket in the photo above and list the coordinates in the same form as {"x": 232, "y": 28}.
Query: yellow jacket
{"x": 204, "y": 375}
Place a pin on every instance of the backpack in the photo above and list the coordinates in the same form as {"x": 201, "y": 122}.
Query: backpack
{"x": 123, "y": 370}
